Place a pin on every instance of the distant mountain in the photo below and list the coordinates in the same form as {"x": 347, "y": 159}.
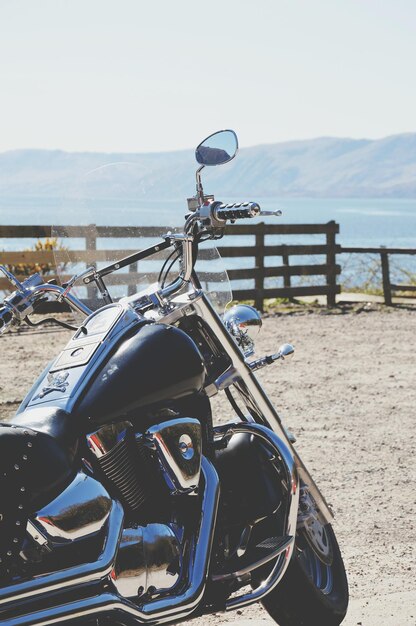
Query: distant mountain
{"x": 324, "y": 167}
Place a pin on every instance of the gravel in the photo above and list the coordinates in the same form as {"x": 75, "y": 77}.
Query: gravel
{"x": 349, "y": 397}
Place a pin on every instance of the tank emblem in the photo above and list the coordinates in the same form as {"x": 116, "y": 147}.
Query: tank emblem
{"x": 56, "y": 382}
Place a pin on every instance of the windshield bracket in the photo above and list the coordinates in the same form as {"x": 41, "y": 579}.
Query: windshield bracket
{"x": 128, "y": 260}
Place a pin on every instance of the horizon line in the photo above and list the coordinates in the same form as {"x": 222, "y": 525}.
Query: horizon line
{"x": 245, "y": 147}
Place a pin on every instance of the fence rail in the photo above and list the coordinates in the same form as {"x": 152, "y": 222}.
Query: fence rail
{"x": 389, "y": 288}
{"x": 259, "y": 252}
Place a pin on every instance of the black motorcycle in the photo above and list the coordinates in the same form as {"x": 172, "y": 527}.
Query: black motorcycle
{"x": 122, "y": 501}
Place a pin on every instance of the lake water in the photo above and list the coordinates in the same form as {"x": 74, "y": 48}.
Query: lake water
{"x": 363, "y": 223}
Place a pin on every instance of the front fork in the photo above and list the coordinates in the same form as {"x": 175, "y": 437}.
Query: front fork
{"x": 254, "y": 397}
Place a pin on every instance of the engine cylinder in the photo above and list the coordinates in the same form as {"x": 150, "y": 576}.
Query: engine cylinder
{"x": 123, "y": 462}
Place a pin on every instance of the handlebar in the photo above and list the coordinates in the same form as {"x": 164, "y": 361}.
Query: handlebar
{"x": 236, "y": 210}
{"x": 22, "y": 302}
{"x": 211, "y": 216}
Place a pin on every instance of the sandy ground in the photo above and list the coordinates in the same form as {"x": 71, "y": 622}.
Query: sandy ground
{"x": 349, "y": 397}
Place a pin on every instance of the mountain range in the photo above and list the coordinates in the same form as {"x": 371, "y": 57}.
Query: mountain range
{"x": 324, "y": 168}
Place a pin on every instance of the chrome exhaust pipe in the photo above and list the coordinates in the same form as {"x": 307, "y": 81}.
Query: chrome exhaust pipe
{"x": 73, "y": 576}
{"x": 169, "y": 608}
{"x": 101, "y": 601}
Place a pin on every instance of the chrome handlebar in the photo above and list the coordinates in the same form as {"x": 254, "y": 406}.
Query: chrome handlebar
{"x": 63, "y": 293}
{"x": 22, "y": 301}
{"x": 211, "y": 216}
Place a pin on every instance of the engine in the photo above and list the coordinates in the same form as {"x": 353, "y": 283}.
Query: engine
{"x": 146, "y": 473}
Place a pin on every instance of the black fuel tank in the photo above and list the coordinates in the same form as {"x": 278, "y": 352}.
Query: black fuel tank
{"x": 157, "y": 363}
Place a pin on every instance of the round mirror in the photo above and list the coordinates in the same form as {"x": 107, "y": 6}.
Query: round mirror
{"x": 218, "y": 148}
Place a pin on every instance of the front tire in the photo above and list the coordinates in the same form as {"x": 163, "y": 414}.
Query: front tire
{"x": 314, "y": 590}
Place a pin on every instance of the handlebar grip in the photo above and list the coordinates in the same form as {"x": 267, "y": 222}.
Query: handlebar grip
{"x": 237, "y": 210}
{"x": 6, "y": 318}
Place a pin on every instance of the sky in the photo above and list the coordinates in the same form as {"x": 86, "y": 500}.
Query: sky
{"x": 156, "y": 75}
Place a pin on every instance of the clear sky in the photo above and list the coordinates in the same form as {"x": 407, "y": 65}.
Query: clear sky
{"x": 149, "y": 75}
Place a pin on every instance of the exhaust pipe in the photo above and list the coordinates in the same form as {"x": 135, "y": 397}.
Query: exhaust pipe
{"x": 164, "y": 609}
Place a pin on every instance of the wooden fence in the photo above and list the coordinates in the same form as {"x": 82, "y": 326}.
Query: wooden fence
{"x": 258, "y": 252}
{"x": 389, "y": 289}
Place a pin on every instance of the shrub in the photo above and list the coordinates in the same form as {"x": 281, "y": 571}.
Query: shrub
{"x": 22, "y": 270}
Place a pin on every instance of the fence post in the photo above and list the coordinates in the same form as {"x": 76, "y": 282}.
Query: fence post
{"x": 131, "y": 289}
{"x": 259, "y": 280}
{"x": 331, "y": 277}
{"x": 385, "y": 271}
{"x": 91, "y": 244}
{"x": 286, "y": 275}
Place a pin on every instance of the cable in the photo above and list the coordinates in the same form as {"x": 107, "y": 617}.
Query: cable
{"x": 234, "y": 404}
{"x": 165, "y": 263}
{"x": 51, "y": 320}
{"x": 169, "y": 268}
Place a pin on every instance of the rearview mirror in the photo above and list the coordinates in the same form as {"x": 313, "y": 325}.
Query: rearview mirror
{"x": 218, "y": 148}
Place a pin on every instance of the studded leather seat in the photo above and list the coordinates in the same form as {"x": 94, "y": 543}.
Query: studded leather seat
{"x": 37, "y": 450}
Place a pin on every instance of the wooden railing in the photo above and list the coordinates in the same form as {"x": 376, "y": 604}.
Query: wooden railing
{"x": 389, "y": 288}
{"x": 259, "y": 252}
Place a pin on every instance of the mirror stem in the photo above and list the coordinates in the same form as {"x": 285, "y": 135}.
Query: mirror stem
{"x": 199, "y": 189}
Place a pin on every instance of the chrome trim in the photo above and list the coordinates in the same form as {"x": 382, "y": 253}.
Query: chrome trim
{"x": 72, "y": 576}
{"x": 79, "y": 511}
{"x": 37, "y": 536}
{"x": 103, "y": 440}
{"x": 285, "y": 543}
{"x": 149, "y": 559}
{"x": 285, "y": 550}
{"x": 243, "y": 322}
{"x": 178, "y": 445}
{"x": 185, "y": 602}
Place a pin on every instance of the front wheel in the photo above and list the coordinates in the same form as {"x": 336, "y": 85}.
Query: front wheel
{"x": 314, "y": 590}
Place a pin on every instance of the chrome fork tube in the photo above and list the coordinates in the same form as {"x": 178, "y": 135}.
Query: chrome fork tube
{"x": 266, "y": 413}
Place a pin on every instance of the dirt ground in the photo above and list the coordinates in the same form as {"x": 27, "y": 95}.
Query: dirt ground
{"x": 349, "y": 397}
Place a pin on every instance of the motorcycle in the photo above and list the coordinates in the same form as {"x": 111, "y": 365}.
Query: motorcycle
{"x": 121, "y": 499}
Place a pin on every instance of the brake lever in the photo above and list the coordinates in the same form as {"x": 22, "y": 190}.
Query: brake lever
{"x": 276, "y": 213}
